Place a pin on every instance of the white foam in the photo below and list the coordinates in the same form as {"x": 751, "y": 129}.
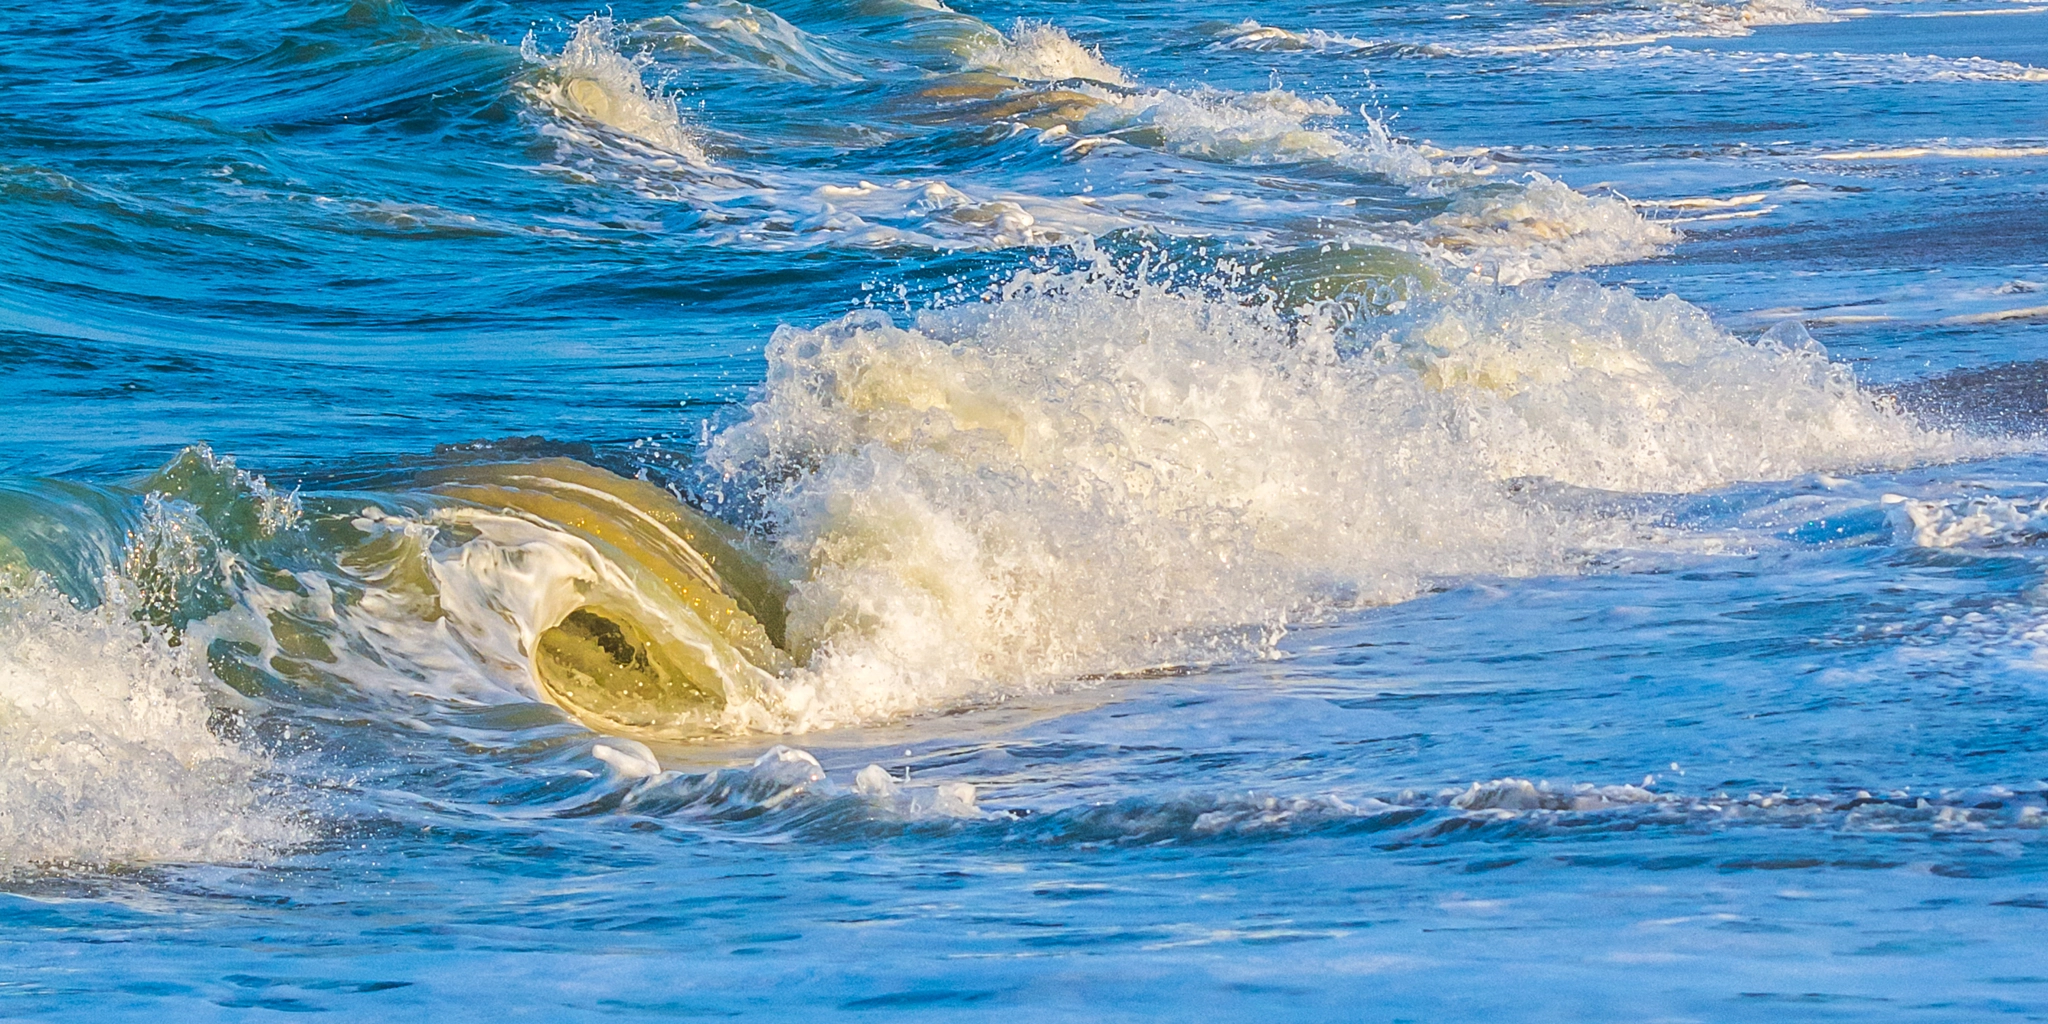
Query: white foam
{"x": 1040, "y": 52}
{"x": 1540, "y": 228}
{"x": 1505, "y": 232}
{"x": 1976, "y": 13}
{"x": 1902, "y": 67}
{"x": 921, "y": 212}
{"x": 1090, "y": 474}
{"x": 593, "y": 82}
{"x": 1617, "y": 26}
{"x": 1704, "y": 202}
{"x": 1973, "y": 522}
{"x": 1250, "y": 35}
{"x": 1834, "y": 67}
{"x": 1942, "y": 152}
{"x": 1672, "y": 19}
{"x": 1227, "y": 127}
{"x": 1784, "y": 12}
{"x": 1509, "y": 233}
{"x": 106, "y": 757}
{"x": 643, "y": 146}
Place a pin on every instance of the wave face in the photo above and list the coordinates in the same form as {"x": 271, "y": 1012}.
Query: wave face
{"x": 1210, "y": 510}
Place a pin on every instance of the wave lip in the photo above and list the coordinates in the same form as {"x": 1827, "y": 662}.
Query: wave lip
{"x": 592, "y": 81}
{"x": 1041, "y": 52}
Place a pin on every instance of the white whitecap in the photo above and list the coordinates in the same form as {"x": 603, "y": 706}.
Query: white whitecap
{"x": 108, "y": 756}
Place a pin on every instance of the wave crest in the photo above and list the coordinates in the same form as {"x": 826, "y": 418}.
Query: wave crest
{"x": 1041, "y": 52}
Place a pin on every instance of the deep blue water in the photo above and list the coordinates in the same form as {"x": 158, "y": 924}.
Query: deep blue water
{"x": 1388, "y": 511}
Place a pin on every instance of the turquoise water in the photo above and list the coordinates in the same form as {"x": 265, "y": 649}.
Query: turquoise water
{"x": 1365, "y": 512}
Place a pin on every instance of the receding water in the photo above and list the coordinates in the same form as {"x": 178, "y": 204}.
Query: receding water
{"x": 1434, "y": 512}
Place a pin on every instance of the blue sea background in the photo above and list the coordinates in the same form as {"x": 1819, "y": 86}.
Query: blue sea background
{"x": 1686, "y": 657}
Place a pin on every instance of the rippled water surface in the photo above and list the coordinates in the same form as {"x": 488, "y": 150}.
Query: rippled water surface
{"x": 888, "y": 508}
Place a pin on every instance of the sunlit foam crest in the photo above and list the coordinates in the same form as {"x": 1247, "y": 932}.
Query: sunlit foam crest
{"x": 1226, "y": 127}
{"x": 1092, "y": 473}
{"x": 1041, "y": 52}
{"x": 591, "y": 80}
{"x": 108, "y": 754}
{"x": 1086, "y": 472}
{"x": 1595, "y": 387}
{"x": 773, "y": 208}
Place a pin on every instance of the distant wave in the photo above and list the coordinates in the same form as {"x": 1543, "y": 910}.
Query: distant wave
{"x": 1937, "y": 152}
{"x": 1670, "y": 19}
{"x": 1037, "y": 78}
{"x": 1835, "y": 67}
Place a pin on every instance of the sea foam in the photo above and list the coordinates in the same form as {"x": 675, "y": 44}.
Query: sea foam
{"x": 1036, "y": 51}
{"x": 590, "y": 80}
{"x": 1090, "y": 474}
{"x": 107, "y": 757}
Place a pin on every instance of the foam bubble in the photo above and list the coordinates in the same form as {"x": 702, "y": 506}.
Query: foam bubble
{"x": 106, "y": 757}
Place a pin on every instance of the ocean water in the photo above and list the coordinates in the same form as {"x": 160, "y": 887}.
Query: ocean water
{"x": 898, "y": 509}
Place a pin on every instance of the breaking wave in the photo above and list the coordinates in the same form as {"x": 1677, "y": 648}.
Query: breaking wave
{"x": 112, "y": 752}
{"x": 1091, "y": 474}
{"x": 1037, "y": 79}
